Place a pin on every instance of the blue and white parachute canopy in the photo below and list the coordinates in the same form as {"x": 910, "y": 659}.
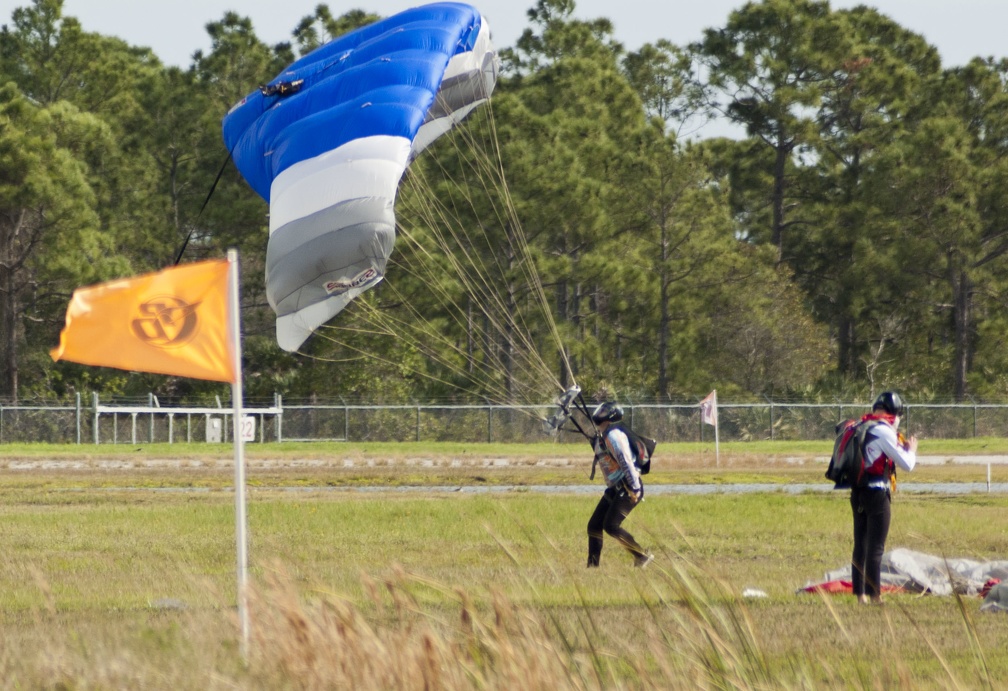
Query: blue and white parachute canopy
{"x": 327, "y": 141}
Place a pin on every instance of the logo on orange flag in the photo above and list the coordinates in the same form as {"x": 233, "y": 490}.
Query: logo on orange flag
{"x": 166, "y": 322}
{"x": 171, "y": 322}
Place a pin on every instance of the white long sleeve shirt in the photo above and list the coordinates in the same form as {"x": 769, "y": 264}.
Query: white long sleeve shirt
{"x": 616, "y": 459}
{"x": 883, "y": 441}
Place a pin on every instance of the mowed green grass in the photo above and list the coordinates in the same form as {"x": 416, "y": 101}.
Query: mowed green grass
{"x": 572, "y": 445}
{"x": 125, "y": 578}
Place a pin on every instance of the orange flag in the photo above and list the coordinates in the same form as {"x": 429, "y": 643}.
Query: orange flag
{"x": 171, "y": 322}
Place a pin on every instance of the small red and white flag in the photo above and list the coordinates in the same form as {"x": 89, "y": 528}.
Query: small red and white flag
{"x": 708, "y": 409}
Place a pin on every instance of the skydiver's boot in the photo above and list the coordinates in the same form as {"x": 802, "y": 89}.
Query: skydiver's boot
{"x": 594, "y": 551}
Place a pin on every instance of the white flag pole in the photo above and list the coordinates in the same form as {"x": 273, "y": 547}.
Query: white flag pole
{"x": 717, "y": 450}
{"x": 241, "y": 532}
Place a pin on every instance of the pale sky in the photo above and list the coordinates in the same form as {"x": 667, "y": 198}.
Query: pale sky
{"x": 175, "y": 29}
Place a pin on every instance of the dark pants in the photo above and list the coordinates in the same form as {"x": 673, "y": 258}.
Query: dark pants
{"x": 613, "y": 507}
{"x": 872, "y": 510}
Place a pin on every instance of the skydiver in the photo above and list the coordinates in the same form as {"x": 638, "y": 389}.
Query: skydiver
{"x": 871, "y": 499}
{"x": 624, "y": 488}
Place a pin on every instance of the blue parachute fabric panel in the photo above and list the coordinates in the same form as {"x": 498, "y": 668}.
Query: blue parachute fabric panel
{"x": 328, "y": 140}
{"x": 323, "y": 132}
{"x": 439, "y": 14}
{"x": 303, "y": 126}
{"x": 363, "y": 70}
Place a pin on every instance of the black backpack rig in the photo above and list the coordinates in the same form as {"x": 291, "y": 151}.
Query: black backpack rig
{"x": 847, "y": 467}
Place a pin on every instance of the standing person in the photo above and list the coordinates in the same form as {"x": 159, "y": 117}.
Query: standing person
{"x": 624, "y": 489}
{"x": 871, "y": 499}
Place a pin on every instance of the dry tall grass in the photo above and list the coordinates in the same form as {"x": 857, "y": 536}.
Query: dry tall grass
{"x": 314, "y": 639}
{"x": 689, "y": 632}
{"x": 321, "y": 641}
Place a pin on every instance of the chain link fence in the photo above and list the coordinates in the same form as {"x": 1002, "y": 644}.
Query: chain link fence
{"x": 149, "y": 422}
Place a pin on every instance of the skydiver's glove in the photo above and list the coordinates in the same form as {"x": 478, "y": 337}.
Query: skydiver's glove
{"x": 636, "y": 496}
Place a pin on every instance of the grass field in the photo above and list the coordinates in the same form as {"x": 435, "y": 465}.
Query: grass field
{"x": 119, "y": 572}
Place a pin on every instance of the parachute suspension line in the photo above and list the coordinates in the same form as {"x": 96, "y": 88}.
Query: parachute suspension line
{"x": 493, "y": 166}
{"x": 524, "y": 352}
{"x": 517, "y": 235}
{"x": 473, "y": 273}
{"x": 579, "y": 404}
{"x": 483, "y": 371}
{"x": 371, "y": 356}
{"x": 192, "y": 226}
{"x": 466, "y": 268}
{"x": 482, "y": 289}
{"x": 413, "y": 328}
{"x": 514, "y": 234}
{"x": 547, "y": 311}
{"x": 417, "y": 320}
{"x": 434, "y": 345}
{"x": 452, "y": 258}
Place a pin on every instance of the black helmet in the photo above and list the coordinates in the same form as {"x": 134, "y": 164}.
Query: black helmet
{"x": 890, "y": 402}
{"x": 609, "y": 411}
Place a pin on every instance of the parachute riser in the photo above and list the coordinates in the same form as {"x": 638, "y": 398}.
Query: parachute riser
{"x": 583, "y": 407}
{"x": 592, "y": 438}
{"x": 571, "y": 400}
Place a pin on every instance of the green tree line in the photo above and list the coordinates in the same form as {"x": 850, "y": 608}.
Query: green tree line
{"x": 851, "y": 237}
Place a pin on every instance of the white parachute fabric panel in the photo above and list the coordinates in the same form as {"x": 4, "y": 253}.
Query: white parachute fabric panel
{"x": 919, "y": 572}
{"x": 332, "y": 229}
{"x": 369, "y": 167}
{"x": 328, "y": 141}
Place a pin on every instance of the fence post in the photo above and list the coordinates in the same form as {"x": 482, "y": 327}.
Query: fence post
{"x": 278, "y": 400}
{"x": 151, "y": 400}
{"x": 771, "y": 421}
{"x": 418, "y": 423}
{"x": 95, "y": 394}
{"x": 78, "y": 399}
{"x": 346, "y": 420}
{"x": 489, "y": 422}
